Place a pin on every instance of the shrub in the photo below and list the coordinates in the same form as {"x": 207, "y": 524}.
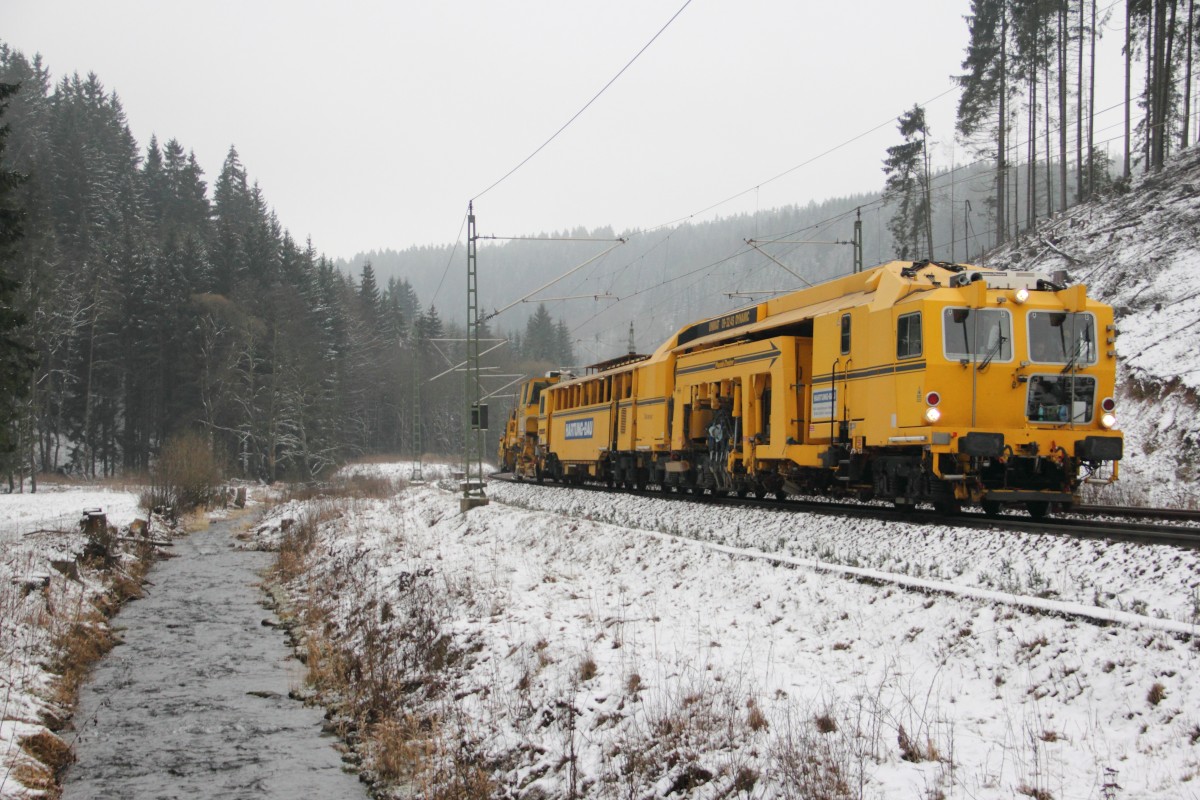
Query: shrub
{"x": 756, "y": 719}
{"x": 826, "y": 723}
{"x": 186, "y": 476}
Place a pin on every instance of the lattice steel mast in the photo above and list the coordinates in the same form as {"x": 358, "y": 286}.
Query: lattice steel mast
{"x": 475, "y": 419}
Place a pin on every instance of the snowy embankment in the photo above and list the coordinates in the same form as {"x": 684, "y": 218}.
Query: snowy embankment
{"x": 45, "y": 592}
{"x": 556, "y": 642}
{"x": 1140, "y": 252}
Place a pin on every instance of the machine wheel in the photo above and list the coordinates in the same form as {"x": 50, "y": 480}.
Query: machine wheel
{"x": 1038, "y": 509}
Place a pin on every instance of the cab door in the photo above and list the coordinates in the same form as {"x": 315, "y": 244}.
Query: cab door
{"x": 911, "y": 343}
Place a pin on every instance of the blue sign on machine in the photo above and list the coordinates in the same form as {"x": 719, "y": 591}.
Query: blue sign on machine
{"x": 579, "y": 429}
{"x": 824, "y": 401}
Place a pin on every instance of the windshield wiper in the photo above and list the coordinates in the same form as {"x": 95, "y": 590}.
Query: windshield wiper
{"x": 1082, "y": 345}
{"x": 992, "y": 353}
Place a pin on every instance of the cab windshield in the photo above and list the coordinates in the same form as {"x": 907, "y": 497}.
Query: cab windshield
{"x": 1062, "y": 337}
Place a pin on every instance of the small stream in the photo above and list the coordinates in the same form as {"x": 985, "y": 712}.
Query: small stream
{"x": 194, "y": 704}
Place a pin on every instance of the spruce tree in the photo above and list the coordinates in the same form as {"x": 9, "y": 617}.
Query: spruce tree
{"x": 540, "y": 337}
{"x": 983, "y": 104}
{"x": 564, "y": 350}
{"x": 907, "y": 184}
{"x": 231, "y": 219}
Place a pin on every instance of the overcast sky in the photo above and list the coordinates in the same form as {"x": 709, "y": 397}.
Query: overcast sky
{"x": 369, "y": 125}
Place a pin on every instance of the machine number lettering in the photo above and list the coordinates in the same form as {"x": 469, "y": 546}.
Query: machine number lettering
{"x": 579, "y": 428}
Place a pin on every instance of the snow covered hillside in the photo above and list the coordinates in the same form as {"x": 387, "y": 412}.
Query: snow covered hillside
{"x": 1140, "y": 251}
{"x": 560, "y": 643}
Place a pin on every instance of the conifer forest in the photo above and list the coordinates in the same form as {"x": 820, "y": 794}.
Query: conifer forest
{"x": 142, "y": 301}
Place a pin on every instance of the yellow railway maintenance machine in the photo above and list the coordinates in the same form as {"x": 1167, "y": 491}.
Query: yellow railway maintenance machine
{"x": 518, "y": 445}
{"x": 910, "y": 382}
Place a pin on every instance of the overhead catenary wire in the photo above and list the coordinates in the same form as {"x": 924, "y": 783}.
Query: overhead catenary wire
{"x": 586, "y": 105}
{"x": 449, "y": 261}
{"x": 575, "y": 269}
{"x": 889, "y": 121}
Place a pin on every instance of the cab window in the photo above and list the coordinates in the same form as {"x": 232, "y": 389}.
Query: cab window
{"x": 908, "y": 336}
{"x": 536, "y": 391}
{"x": 845, "y": 334}
{"x": 977, "y": 334}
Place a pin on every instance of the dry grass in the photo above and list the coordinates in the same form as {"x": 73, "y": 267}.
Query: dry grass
{"x": 1157, "y": 694}
{"x": 127, "y": 482}
{"x": 756, "y": 720}
{"x": 298, "y": 540}
{"x": 414, "y": 753}
{"x": 36, "y": 777}
{"x": 825, "y": 723}
{"x": 374, "y": 487}
{"x": 808, "y": 764}
{"x": 912, "y": 749}
{"x": 51, "y": 751}
{"x": 1034, "y": 792}
{"x": 79, "y": 647}
{"x": 400, "y": 750}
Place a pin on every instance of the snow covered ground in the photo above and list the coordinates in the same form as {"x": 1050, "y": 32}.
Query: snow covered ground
{"x": 620, "y": 647}
{"x": 37, "y": 601}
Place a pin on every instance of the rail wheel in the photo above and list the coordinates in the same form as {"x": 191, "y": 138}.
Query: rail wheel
{"x": 992, "y": 507}
{"x": 1038, "y": 509}
{"x": 947, "y": 507}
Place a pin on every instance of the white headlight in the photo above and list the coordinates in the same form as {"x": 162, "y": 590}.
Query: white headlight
{"x": 1020, "y": 295}
{"x": 932, "y": 415}
{"x": 1107, "y": 421}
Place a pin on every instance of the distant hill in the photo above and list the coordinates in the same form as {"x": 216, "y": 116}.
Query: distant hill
{"x": 1140, "y": 251}
{"x": 667, "y": 278}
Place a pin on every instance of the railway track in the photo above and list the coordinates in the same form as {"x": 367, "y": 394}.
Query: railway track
{"x": 1082, "y": 522}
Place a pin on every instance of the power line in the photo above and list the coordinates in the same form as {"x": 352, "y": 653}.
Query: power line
{"x": 567, "y": 124}
{"x": 790, "y": 170}
{"x": 449, "y": 261}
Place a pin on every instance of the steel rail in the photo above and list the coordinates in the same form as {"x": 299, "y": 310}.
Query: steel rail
{"x": 1143, "y": 533}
